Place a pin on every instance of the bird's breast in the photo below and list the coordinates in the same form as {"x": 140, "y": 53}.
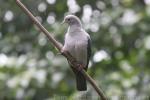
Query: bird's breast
{"x": 77, "y": 47}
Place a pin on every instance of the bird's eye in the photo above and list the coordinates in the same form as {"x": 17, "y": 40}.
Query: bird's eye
{"x": 68, "y": 19}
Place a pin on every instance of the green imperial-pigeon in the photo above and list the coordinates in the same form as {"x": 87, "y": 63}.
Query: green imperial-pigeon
{"x": 78, "y": 44}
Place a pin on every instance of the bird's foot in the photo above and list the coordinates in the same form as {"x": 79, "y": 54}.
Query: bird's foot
{"x": 80, "y": 66}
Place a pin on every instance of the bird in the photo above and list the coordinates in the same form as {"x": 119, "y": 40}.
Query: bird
{"x": 78, "y": 43}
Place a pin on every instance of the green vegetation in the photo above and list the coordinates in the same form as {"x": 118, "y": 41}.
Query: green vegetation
{"x": 31, "y": 68}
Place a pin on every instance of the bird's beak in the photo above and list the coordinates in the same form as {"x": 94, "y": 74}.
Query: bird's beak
{"x": 62, "y": 22}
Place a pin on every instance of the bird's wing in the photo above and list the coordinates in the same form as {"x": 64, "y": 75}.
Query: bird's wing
{"x": 88, "y": 51}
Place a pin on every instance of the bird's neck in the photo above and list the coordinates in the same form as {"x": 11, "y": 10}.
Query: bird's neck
{"x": 74, "y": 28}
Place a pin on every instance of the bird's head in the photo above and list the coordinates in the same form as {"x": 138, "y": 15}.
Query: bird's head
{"x": 72, "y": 20}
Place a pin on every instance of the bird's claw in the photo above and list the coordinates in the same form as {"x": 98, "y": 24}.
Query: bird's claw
{"x": 80, "y": 66}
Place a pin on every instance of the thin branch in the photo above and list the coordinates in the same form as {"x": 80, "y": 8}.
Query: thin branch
{"x": 59, "y": 47}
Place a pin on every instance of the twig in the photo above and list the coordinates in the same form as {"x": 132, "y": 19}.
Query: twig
{"x": 59, "y": 47}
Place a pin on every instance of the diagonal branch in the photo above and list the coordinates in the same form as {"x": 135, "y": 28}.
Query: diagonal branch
{"x": 59, "y": 47}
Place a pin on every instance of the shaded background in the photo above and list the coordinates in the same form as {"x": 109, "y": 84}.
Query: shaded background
{"x": 30, "y": 67}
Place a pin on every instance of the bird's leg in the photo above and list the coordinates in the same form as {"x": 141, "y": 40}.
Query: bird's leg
{"x": 80, "y": 66}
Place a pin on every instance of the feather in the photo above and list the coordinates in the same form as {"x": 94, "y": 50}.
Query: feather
{"x": 78, "y": 44}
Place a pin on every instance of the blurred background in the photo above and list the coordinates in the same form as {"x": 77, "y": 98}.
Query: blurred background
{"x": 31, "y": 68}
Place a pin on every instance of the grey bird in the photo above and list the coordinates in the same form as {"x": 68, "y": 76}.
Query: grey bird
{"x": 78, "y": 44}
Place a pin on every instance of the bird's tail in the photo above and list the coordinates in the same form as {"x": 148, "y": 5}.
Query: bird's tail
{"x": 80, "y": 81}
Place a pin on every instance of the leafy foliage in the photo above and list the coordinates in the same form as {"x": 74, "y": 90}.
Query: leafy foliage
{"x": 31, "y": 68}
